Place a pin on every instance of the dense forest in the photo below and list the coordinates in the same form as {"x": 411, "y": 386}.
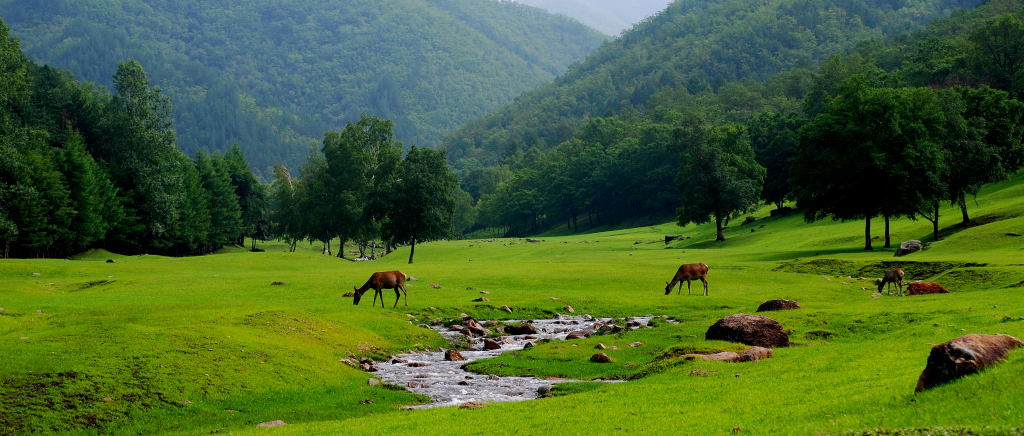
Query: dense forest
{"x": 693, "y": 48}
{"x": 83, "y": 168}
{"x": 935, "y": 113}
{"x": 609, "y": 16}
{"x": 271, "y": 76}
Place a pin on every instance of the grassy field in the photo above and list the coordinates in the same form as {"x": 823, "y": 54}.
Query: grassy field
{"x": 198, "y": 345}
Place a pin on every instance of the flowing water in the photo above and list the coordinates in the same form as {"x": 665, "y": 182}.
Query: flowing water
{"x": 449, "y": 385}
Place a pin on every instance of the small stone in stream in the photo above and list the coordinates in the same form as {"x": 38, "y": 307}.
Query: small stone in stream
{"x": 490, "y": 344}
{"x": 418, "y": 364}
{"x": 367, "y": 367}
{"x": 463, "y": 315}
{"x": 600, "y": 347}
{"x": 600, "y": 358}
{"x": 493, "y": 377}
{"x": 463, "y": 383}
{"x": 453, "y": 355}
{"x": 373, "y": 382}
{"x": 507, "y": 309}
{"x": 528, "y": 345}
{"x": 471, "y": 405}
{"x": 569, "y": 309}
{"x": 348, "y": 362}
{"x": 579, "y": 334}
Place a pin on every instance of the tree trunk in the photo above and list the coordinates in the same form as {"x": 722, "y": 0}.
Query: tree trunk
{"x": 362, "y": 249}
{"x": 341, "y": 246}
{"x": 888, "y": 240}
{"x": 412, "y": 250}
{"x": 962, "y": 202}
{"x": 327, "y": 247}
{"x": 935, "y": 224}
{"x": 719, "y": 230}
{"x": 867, "y": 234}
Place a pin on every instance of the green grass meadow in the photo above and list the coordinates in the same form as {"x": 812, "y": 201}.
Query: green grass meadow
{"x": 155, "y": 345}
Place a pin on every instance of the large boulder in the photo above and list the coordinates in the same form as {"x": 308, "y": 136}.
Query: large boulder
{"x": 600, "y": 358}
{"x": 925, "y": 288}
{"x": 908, "y": 247}
{"x": 753, "y": 330}
{"x": 475, "y": 328}
{"x": 521, "y": 329}
{"x": 773, "y": 305}
{"x": 964, "y": 356}
{"x": 579, "y": 334}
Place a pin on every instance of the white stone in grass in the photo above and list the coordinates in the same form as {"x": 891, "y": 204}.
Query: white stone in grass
{"x": 276, "y": 423}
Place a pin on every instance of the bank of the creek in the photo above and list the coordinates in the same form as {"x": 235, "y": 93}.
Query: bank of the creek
{"x": 448, "y": 384}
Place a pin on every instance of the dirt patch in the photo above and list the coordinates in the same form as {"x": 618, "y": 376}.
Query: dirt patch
{"x": 89, "y": 285}
{"x": 835, "y": 267}
{"x": 819, "y": 266}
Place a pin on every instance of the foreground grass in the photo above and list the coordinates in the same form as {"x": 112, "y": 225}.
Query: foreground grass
{"x": 160, "y": 345}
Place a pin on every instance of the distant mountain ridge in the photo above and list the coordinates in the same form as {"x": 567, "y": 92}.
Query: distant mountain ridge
{"x": 609, "y": 16}
{"x": 693, "y": 47}
{"x": 274, "y": 75}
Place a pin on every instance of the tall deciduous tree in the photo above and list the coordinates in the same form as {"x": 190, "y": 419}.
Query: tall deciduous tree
{"x": 775, "y": 142}
{"x": 719, "y": 174}
{"x": 421, "y": 203}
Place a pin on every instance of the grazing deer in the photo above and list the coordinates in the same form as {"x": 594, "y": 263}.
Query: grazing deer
{"x": 383, "y": 280}
{"x": 892, "y": 277}
{"x": 690, "y": 271}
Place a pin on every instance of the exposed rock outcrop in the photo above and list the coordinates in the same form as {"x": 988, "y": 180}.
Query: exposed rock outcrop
{"x": 754, "y": 330}
{"x": 963, "y": 356}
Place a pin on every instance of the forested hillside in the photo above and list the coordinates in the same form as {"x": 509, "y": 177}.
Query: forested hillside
{"x": 910, "y": 122}
{"x": 609, "y": 16}
{"x": 272, "y": 75}
{"x": 694, "y": 47}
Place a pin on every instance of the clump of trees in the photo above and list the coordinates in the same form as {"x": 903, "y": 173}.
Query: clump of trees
{"x": 358, "y": 187}
{"x": 82, "y": 168}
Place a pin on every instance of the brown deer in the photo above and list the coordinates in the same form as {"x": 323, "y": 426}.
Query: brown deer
{"x": 690, "y": 271}
{"x": 892, "y": 277}
{"x": 383, "y": 280}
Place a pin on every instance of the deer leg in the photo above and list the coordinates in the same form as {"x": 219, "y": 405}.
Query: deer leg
{"x": 381, "y": 293}
{"x": 687, "y": 287}
{"x": 406, "y": 292}
{"x": 706, "y": 293}
{"x": 397, "y": 295}
{"x": 680, "y": 292}
{"x": 375, "y": 292}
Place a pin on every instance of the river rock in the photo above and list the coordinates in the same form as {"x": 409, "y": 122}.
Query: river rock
{"x": 481, "y": 299}
{"x": 963, "y": 356}
{"x": 490, "y": 344}
{"x": 600, "y": 358}
{"x": 475, "y": 328}
{"x": 600, "y": 347}
{"x": 471, "y": 405}
{"x": 276, "y": 423}
{"x": 373, "y": 382}
{"x": 579, "y": 334}
{"x": 507, "y": 309}
{"x": 924, "y": 288}
{"x": 908, "y": 247}
{"x": 453, "y": 355}
{"x": 754, "y": 330}
{"x": 418, "y": 364}
{"x": 528, "y": 345}
{"x": 569, "y": 309}
{"x": 521, "y": 329}
{"x": 773, "y": 305}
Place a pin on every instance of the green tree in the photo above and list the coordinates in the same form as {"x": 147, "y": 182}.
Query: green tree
{"x": 998, "y": 56}
{"x": 718, "y": 176}
{"x": 285, "y": 215}
{"x": 225, "y": 213}
{"x": 421, "y": 205}
{"x": 775, "y": 141}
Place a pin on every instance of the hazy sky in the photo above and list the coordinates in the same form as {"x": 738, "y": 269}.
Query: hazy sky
{"x": 608, "y": 16}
